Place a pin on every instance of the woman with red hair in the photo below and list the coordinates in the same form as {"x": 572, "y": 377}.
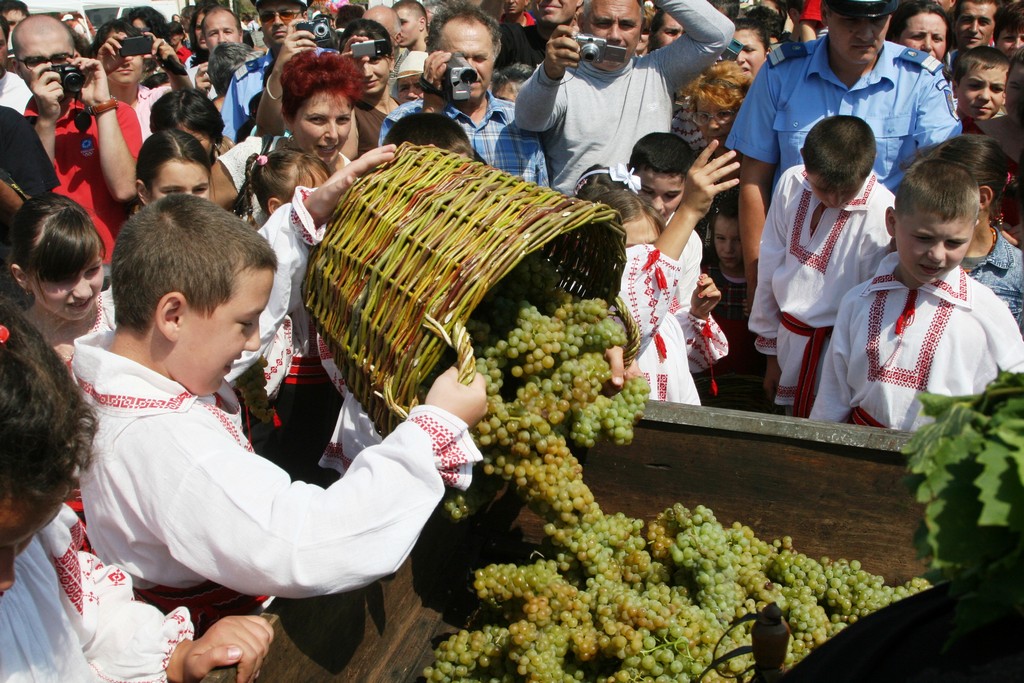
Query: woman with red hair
{"x": 318, "y": 89}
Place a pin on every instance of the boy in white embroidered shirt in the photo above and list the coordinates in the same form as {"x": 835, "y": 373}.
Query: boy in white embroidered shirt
{"x": 64, "y": 615}
{"x": 823, "y": 235}
{"x": 921, "y": 324}
{"x": 176, "y": 495}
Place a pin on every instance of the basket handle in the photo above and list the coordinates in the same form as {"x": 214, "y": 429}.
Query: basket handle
{"x": 458, "y": 340}
{"x": 632, "y": 347}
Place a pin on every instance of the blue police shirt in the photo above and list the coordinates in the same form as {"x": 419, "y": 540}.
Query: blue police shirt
{"x": 905, "y": 99}
{"x": 245, "y": 85}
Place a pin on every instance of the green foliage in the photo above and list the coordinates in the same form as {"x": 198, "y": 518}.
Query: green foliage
{"x": 968, "y": 469}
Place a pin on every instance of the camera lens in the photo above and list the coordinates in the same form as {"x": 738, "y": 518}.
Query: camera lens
{"x": 468, "y": 75}
{"x": 589, "y": 52}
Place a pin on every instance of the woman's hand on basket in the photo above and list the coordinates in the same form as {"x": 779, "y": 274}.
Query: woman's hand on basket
{"x": 466, "y": 402}
{"x": 322, "y": 201}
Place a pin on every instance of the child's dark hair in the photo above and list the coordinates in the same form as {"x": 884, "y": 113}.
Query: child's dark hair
{"x": 981, "y": 155}
{"x": 662, "y": 153}
{"x": 185, "y": 244}
{"x": 189, "y": 110}
{"x": 278, "y": 174}
{"x": 938, "y": 188}
{"x": 727, "y": 205}
{"x": 168, "y": 145}
{"x": 46, "y": 426}
{"x": 53, "y": 238}
{"x": 430, "y": 129}
{"x": 978, "y": 58}
{"x": 840, "y": 150}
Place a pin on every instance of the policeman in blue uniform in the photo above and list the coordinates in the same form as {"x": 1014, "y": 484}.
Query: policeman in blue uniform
{"x": 900, "y": 92}
{"x": 276, "y": 18}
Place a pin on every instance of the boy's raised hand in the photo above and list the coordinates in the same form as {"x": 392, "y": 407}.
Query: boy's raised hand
{"x": 324, "y": 199}
{"x": 232, "y": 641}
{"x": 466, "y": 402}
{"x": 707, "y": 178}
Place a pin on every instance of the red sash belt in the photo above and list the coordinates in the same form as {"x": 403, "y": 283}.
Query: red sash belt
{"x": 859, "y": 416}
{"x": 307, "y": 370}
{"x": 807, "y": 381}
{"x": 206, "y": 602}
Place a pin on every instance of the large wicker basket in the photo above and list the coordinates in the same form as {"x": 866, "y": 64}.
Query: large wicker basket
{"x": 413, "y": 248}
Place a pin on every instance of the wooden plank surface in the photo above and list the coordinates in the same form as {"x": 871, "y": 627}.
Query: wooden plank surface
{"x": 836, "y": 489}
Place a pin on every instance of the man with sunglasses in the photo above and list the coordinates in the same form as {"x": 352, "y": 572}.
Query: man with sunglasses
{"x": 91, "y": 138}
{"x": 277, "y": 18}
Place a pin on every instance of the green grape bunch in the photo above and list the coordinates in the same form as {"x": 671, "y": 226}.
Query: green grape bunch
{"x": 251, "y": 387}
{"x": 542, "y": 354}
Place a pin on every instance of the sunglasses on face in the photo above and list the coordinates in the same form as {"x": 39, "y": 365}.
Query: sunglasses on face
{"x": 268, "y": 15}
{"x": 722, "y": 117}
{"x": 59, "y": 58}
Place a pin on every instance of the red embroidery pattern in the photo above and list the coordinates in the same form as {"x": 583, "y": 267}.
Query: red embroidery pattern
{"x": 662, "y": 387}
{"x": 228, "y": 425}
{"x": 786, "y": 391}
{"x": 674, "y": 306}
{"x": 766, "y": 343}
{"x": 961, "y": 293}
{"x": 69, "y": 571}
{"x": 818, "y": 261}
{"x": 335, "y": 452}
{"x": 97, "y": 324}
{"x": 117, "y": 577}
{"x": 447, "y": 453}
{"x": 133, "y": 402}
{"x": 915, "y": 378}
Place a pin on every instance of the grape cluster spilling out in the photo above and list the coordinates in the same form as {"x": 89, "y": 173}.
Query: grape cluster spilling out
{"x": 612, "y": 599}
{"x": 542, "y": 353}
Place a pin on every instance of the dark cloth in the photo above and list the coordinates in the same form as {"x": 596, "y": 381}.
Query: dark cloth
{"x": 22, "y": 154}
{"x": 368, "y": 121}
{"x": 904, "y": 642}
{"x": 743, "y": 358}
{"x": 520, "y": 45}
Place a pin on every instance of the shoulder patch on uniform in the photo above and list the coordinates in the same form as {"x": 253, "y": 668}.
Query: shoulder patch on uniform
{"x": 785, "y": 51}
{"x": 247, "y": 67}
{"x": 923, "y": 59}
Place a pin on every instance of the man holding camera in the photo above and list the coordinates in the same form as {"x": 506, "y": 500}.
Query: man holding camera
{"x": 277, "y": 19}
{"x": 463, "y": 41}
{"x": 91, "y": 138}
{"x": 593, "y": 98}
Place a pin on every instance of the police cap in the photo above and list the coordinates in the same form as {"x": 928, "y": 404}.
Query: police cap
{"x": 863, "y": 8}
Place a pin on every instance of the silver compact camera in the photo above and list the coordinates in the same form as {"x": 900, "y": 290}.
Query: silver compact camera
{"x": 594, "y": 49}
{"x": 459, "y": 78}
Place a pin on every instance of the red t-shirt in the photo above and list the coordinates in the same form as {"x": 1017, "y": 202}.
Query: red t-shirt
{"x": 77, "y": 162}
{"x": 183, "y": 53}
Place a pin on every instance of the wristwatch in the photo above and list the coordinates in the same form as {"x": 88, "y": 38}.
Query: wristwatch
{"x": 97, "y": 109}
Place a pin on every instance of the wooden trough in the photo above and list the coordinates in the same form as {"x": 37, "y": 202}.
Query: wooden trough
{"x": 836, "y": 489}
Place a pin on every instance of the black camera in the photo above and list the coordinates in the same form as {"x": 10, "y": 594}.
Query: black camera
{"x": 71, "y": 77}
{"x": 323, "y": 33}
{"x": 594, "y": 49}
{"x": 370, "y": 48}
{"x": 459, "y": 78}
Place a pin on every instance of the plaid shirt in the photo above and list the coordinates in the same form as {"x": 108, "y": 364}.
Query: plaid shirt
{"x": 497, "y": 139}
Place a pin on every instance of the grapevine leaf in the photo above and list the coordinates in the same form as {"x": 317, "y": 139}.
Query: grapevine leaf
{"x": 995, "y": 485}
{"x": 934, "y": 404}
{"x": 943, "y": 454}
{"x": 952, "y": 521}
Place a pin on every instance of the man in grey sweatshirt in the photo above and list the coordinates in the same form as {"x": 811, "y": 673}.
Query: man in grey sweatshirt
{"x": 592, "y": 112}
